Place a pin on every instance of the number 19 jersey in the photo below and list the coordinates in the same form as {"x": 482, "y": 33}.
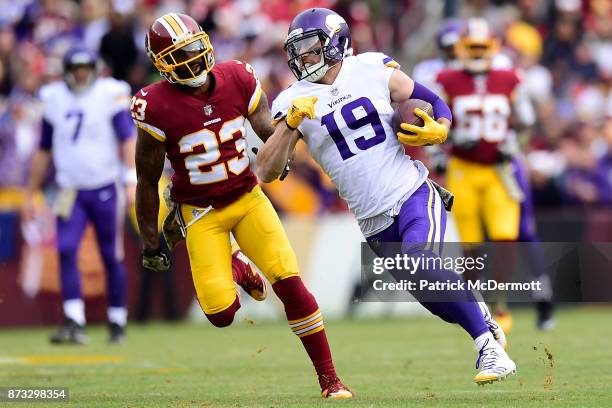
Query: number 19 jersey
{"x": 352, "y": 138}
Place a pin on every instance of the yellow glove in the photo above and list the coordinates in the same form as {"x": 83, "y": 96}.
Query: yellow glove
{"x": 300, "y": 108}
{"x": 430, "y": 133}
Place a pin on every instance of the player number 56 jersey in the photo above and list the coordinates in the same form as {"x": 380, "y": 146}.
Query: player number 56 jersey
{"x": 482, "y": 108}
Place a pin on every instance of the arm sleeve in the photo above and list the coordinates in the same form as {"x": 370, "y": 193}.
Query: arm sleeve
{"x": 144, "y": 116}
{"x": 46, "y": 135}
{"x": 250, "y": 86}
{"x": 440, "y": 108}
{"x": 123, "y": 125}
{"x": 279, "y": 108}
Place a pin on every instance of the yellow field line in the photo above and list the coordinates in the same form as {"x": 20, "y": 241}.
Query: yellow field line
{"x": 61, "y": 359}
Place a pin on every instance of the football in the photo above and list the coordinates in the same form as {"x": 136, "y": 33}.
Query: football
{"x": 404, "y": 113}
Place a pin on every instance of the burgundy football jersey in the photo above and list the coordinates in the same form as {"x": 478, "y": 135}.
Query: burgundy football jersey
{"x": 482, "y": 107}
{"x": 204, "y": 135}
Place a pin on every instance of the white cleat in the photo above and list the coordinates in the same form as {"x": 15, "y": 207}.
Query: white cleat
{"x": 494, "y": 364}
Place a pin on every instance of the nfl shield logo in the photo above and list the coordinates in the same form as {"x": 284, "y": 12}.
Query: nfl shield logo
{"x": 208, "y": 110}
{"x": 334, "y": 91}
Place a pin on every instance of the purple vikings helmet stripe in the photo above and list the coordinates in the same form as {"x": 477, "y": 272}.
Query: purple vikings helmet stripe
{"x": 321, "y": 32}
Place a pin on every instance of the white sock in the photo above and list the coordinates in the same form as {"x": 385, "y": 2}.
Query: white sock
{"x": 117, "y": 315}
{"x": 481, "y": 340}
{"x": 486, "y": 313}
{"x": 74, "y": 309}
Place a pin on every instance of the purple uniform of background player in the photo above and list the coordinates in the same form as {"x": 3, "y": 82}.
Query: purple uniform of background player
{"x": 104, "y": 208}
{"x": 527, "y": 227}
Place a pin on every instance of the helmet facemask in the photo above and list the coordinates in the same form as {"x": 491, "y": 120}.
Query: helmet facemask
{"x": 187, "y": 61}
{"x": 476, "y": 57}
{"x": 81, "y": 81}
{"x": 314, "y": 42}
{"x": 476, "y": 47}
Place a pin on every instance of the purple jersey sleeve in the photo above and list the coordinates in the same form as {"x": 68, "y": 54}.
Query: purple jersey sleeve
{"x": 123, "y": 125}
{"x": 46, "y": 135}
{"x": 440, "y": 108}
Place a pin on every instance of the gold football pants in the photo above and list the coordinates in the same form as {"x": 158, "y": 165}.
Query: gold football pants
{"x": 258, "y": 231}
{"x": 481, "y": 198}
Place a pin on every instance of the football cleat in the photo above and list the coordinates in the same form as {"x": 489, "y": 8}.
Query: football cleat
{"x": 116, "y": 333}
{"x": 247, "y": 278}
{"x": 171, "y": 228}
{"x": 494, "y": 364}
{"x": 332, "y": 388}
{"x": 70, "y": 333}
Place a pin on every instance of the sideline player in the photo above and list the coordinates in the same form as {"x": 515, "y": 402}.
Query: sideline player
{"x": 347, "y": 128}
{"x": 196, "y": 117}
{"x": 87, "y": 132}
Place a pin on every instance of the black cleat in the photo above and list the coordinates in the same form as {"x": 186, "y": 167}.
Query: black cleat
{"x": 117, "y": 333}
{"x": 70, "y": 333}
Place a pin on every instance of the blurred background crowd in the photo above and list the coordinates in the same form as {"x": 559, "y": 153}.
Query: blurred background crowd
{"x": 563, "y": 48}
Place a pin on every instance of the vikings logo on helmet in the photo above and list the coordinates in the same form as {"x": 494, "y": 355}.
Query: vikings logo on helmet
{"x": 321, "y": 32}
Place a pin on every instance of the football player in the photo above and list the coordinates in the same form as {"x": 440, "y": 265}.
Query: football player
{"x": 426, "y": 72}
{"x": 88, "y": 133}
{"x": 487, "y": 104}
{"x": 341, "y": 106}
{"x": 196, "y": 116}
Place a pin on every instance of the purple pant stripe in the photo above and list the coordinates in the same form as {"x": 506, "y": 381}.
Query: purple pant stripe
{"x": 411, "y": 228}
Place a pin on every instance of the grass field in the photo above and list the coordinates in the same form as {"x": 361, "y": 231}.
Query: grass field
{"x": 389, "y": 363}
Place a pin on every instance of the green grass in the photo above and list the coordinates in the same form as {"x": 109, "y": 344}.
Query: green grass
{"x": 389, "y": 363}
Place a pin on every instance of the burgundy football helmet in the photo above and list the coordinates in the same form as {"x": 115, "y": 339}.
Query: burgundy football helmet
{"x": 180, "y": 50}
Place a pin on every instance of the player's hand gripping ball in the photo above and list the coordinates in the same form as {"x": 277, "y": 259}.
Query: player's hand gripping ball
{"x": 300, "y": 108}
{"x": 415, "y": 126}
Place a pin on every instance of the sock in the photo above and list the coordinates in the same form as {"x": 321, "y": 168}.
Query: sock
{"x": 306, "y": 321}
{"x": 74, "y": 309}
{"x": 485, "y": 339}
{"x": 117, "y": 315}
{"x": 486, "y": 313}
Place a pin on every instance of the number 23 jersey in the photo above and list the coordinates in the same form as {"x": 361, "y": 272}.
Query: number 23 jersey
{"x": 204, "y": 135}
{"x": 352, "y": 138}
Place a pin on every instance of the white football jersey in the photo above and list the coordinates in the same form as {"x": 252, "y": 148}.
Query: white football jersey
{"x": 84, "y": 145}
{"x": 351, "y": 136}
